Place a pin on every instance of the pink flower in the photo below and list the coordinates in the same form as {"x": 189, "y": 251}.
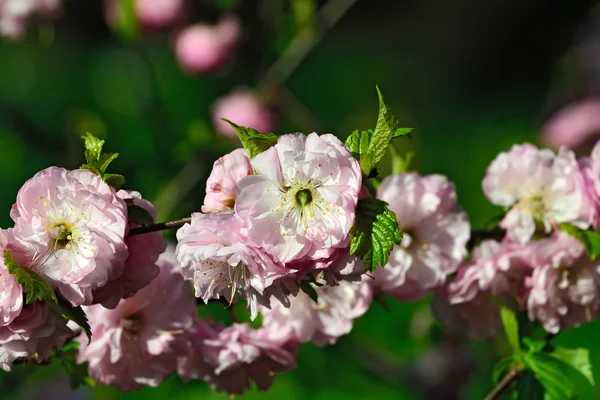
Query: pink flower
{"x": 565, "y": 286}
{"x": 590, "y": 169}
{"x": 140, "y": 267}
{"x": 16, "y": 14}
{"x": 152, "y": 14}
{"x": 226, "y": 173}
{"x": 70, "y": 226}
{"x": 35, "y": 332}
{"x": 500, "y": 268}
{"x": 212, "y": 251}
{"x": 574, "y": 125}
{"x": 240, "y": 354}
{"x": 495, "y": 269}
{"x": 325, "y": 321}
{"x": 204, "y": 48}
{"x": 242, "y": 107}
{"x": 304, "y": 199}
{"x": 139, "y": 342}
{"x": 435, "y": 234}
{"x": 538, "y": 187}
{"x": 11, "y": 293}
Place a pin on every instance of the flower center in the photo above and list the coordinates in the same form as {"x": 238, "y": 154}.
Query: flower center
{"x": 64, "y": 235}
{"x": 133, "y": 324}
{"x": 304, "y": 197}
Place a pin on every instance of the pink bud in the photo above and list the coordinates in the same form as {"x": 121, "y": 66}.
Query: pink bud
{"x": 574, "y": 125}
{"x": 203, "y": 48}
{"x": 244, "y": 108}
{"x": 152, "y": 14}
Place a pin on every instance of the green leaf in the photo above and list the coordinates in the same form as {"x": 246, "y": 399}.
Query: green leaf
{"x": 385, "y": 130}
{"x": 589, "y": 238}
{"x": 400, "y": 164}
{"x": 105, "y": 160}
{"x": 114, "y": 180}
{"x": 304, "y": 12}
{"x": 528, "y": 387}
{"x": 35, "y": 287}
{"x": 533, "y": 345}
{"x": 91, "y": 169}
{"x": 93, "y": 150}
{"x": 358, "y": 143}
{"x": 78, "y": 373}
{"x": 578, "y": 359}
{"x": 501, "y": 368}
{"x": 253, "y": 141}
{"x": 139, "y": 215}
{"x": 374, "y": 233}
{"x": 309, "y": 290}
{"x": 552, "y": 374}
{"x": 369, "y": 146}
{"x": 71, "y": 313}
{"x": 511, "y": 327}
{"x": 402, "y": 132}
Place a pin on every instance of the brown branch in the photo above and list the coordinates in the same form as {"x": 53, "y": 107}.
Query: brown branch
{"x": 160, "y": 226}
{"x": 479, "y": 235}
{"x": 512, "y": 376}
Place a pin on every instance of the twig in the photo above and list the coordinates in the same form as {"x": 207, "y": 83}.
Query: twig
{"x": 512, "y": 376}
{"x": 478, "y": 235}
{"x": 159, "y": 227}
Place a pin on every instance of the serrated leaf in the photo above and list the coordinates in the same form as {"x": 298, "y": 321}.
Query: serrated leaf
{"x": 589, "y": 239}
{"x": 310, "y": 291}
{"x": 105, "y": 160}
{"x": 374, "y": 233}
{"x": 511, "y": 327}
{"x": 402, "y": 132}
{"x": 139, "y": 215}
{"x": 254, "y": 142}
{"x": 93, "y": 150}
{"x": 578, "y": 359}
{"x": 71, "y": 313}
{"x": 358, "y": 143}
{"x": 385, "y": 130}
{"x": 91, "y": 169}
{"x": 35, "y": 287}
{"x": 552, "y": 375}
{"x": 114, "y": 180}
{"x": 78, "y": 373}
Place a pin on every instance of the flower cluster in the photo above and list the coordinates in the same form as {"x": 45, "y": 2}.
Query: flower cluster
{"x": 276, "y": 220}
{"x": 539, "y": 266}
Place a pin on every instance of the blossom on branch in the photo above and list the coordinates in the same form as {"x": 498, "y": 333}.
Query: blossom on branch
{"x": 70, "y": 227}
{"x": 233, "y": 357}
{"x": 324, "y": 321}
{"x": 141, "y": 265}
{"x": 34, "y": 333}
{"x": 139, "y": 342}
{"x": 303, "y": 200}
{"x": 212, "y": 251}
{"x": 226, "y": 173}
{"x": 540, "y": 189}
{"x": 435, "y": 234}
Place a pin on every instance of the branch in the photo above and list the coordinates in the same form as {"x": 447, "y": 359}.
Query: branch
{"x": 159, "y": 227}
{"x": 513, "y": 375}
{"x": 479, "y": 235}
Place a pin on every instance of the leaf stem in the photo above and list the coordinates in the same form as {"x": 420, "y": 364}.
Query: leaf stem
{"x": 512, "y": 376}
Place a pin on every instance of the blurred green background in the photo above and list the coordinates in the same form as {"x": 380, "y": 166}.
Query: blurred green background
{"x": 471, "y": 77}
